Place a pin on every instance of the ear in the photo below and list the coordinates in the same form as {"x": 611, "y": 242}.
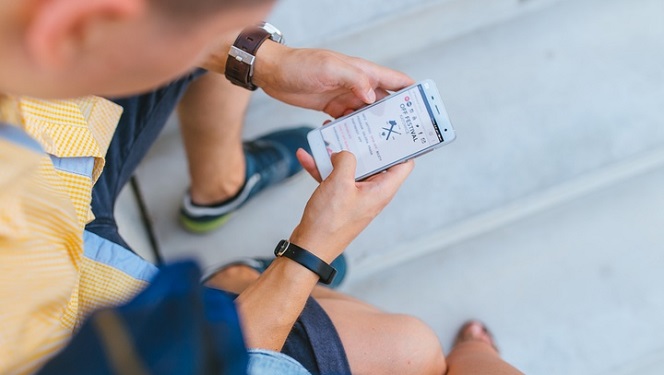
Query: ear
{"x": 56, "y": 31}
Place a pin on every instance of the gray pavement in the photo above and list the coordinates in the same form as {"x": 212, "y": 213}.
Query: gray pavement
{"x": 574, "y": 289}
{"x": 544, "y": 218}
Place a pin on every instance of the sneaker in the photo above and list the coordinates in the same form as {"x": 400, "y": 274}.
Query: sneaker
{"x": 270, "y": 159}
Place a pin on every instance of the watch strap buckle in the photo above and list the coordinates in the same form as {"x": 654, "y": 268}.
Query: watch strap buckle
{"x": 242, "y": 56}
{"x": 325, "y": 272}
{"x": 281, "y": 248}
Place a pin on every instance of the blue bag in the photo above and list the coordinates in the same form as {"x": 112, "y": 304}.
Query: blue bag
{"x": 175, "y": 326}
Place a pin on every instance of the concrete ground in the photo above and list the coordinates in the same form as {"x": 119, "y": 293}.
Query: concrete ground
{"x": 545, "y": 218}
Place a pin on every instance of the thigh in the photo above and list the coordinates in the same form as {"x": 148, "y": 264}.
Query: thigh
{"x": 381, "y": 343}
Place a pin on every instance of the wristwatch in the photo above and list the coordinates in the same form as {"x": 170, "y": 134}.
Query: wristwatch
{"x": 308, "y": 260}
{"x": 242, "y": 55}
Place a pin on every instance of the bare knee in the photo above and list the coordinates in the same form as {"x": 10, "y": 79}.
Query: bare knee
{"x": 380, "y": 343}
{"x": 417, "y": 349}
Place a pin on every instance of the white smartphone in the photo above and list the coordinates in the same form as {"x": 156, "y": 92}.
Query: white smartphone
{"x": 402, "y": 126}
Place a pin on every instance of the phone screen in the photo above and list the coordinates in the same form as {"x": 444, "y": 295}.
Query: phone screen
{"x": 385, "y": 132}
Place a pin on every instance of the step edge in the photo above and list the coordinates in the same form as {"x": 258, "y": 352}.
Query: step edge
{"x": 507, "y": 214}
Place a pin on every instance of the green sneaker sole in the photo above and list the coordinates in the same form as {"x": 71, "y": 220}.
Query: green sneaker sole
{"x": 202, "y": 227}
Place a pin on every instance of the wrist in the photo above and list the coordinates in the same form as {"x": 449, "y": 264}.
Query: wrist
{"x": 326, "y": 273}
{"x": 243, "y": 55}
{"x": 293, "y": 273}
{"x": 324, "y": 250}
{"x": 269, "y": 58}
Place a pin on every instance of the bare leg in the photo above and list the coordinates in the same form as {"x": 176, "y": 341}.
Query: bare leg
{"x": 381, "y": 343}
{"x": 212, "y": 115}
{"x": 474, "y": 354}
{"x": 233, "y": 279}
{"x": 375, "y": 342}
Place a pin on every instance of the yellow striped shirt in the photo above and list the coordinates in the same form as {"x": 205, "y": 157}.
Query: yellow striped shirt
{"x": 52, "y": 273}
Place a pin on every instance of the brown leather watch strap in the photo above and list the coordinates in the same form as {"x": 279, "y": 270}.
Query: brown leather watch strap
{"x": 240, "y": 62}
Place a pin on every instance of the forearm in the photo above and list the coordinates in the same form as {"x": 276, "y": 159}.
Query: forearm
{"x": 218, "y": 53}
{"x": 269, "y": 307}
{"x": 311, "y": 78}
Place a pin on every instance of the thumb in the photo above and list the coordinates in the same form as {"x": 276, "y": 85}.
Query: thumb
{"x": 363, "y": 90}
{"x": 358, "y": 82}
{"x": 343, "y": 166}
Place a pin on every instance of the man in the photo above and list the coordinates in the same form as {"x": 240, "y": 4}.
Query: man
{"x": 54, "y": 273}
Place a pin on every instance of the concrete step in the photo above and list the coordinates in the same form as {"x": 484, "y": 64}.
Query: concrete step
{"x": 574, "y": 289}
{"x": 652, "y": 364}
{"x": 381, "y": 30}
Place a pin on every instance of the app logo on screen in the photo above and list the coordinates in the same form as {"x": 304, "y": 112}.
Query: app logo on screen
{"x": 389, "y": 133}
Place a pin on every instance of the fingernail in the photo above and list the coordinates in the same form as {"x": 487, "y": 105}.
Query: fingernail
{"x": 371, "y": 95}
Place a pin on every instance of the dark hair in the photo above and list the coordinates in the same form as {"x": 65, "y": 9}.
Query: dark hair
{"x": 194, "y": 8}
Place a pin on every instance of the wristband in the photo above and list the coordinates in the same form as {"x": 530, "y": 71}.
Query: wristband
{"x": 308, "y": 260}
{"x": 242, "y": 55}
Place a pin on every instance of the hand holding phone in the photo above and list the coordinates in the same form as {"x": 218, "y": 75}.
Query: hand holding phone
{"x": 400, "y": 127}
{"x": 341, "y": 207}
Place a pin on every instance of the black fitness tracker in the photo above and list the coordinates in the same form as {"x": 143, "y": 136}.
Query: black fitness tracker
{"x": 308, "y": 260}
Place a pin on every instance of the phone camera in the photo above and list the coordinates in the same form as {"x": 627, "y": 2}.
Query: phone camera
{"x": 445, "y": 130}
